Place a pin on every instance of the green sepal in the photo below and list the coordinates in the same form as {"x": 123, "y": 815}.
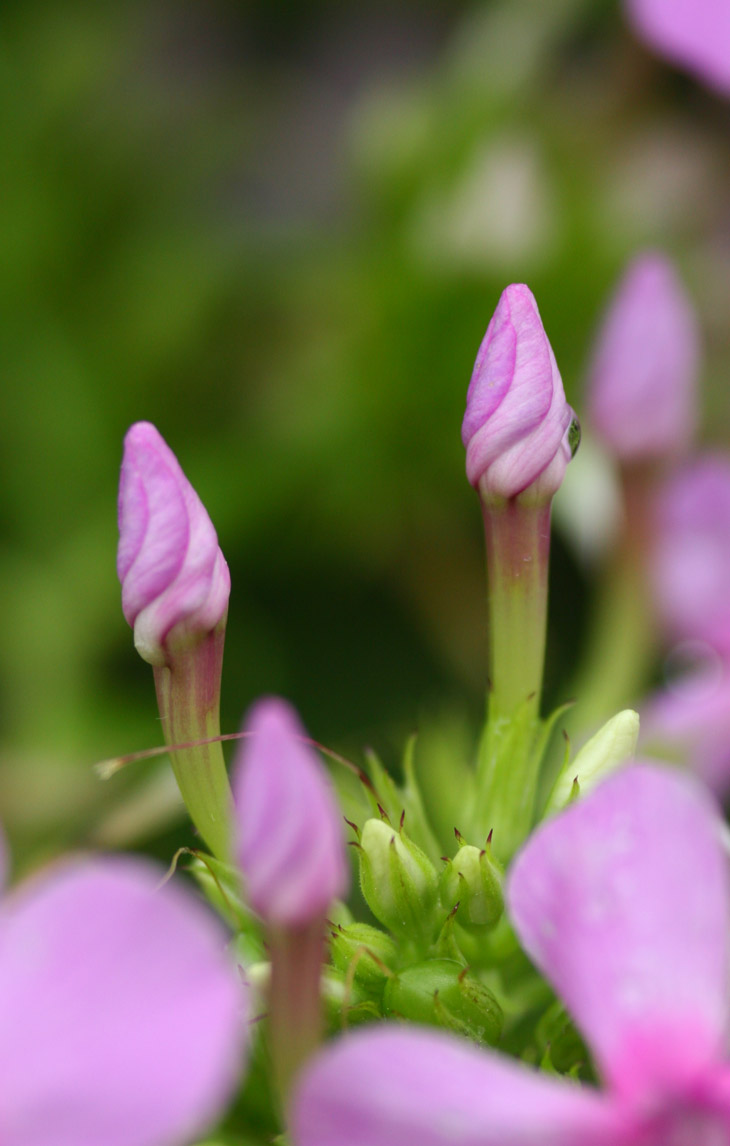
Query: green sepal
{"x": 510, "y": 757}
{"x": 441, "y": 993}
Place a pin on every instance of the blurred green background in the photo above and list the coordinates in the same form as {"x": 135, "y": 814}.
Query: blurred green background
{"x": 278, "y": 231}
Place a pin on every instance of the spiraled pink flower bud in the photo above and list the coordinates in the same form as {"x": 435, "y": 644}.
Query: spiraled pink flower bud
{"x": 175, "y": 581}
{"x": 693, "y": 33}
{"x": 517, "y": 425}
{"x": 641, "y": 386}
{"x": 290, "y": 846}
{"x": 691, "y": 558}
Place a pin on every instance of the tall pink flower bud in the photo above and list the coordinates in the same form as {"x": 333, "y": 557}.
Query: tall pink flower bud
{"x": 691, "y": 556}
{"x": 642, "y": 382}
{"x": 175, "y": 581}
{"x": 175, "y": 589}
{"x": 520, "y": 434}
{"x": 291, "y": 851}
{"x": 695, "y": 34}
{"x": 517, "y": 425}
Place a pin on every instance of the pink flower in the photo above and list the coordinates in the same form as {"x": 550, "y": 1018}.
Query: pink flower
{"x": 516, "y": 425}
{"x": 691, "y": 558}
{"x": 175, "y": 581}
{"x": 289, "y": 827}
{"x": 622, "y": 903}
{"x": 641, "y": 395}
{"x": 693, "y": 33}
{"x": 121, "y": 1017}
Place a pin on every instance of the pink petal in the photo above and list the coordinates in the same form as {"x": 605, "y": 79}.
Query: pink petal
{"x": 693, "y": 33}
{"x": 291, "y": 848}
{"x": 622, "y": 902}
{"x": 391, "y": 1086}
{"x": 121, "y": 1017}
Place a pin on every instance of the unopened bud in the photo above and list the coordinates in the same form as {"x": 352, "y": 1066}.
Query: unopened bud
{"x": 398, "y": 880}
{"x": 175, "y": 581}
{"x": 518, "y": 429}
{"x": 473, "y": 879}
{"x": 441, "y": 993}
{"x": 370, "y": 951}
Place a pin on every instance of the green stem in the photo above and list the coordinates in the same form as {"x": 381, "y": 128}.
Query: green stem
{"x": 295, "y": 1004}
{"x": 518, "y": 548}
{"x": 188, "y": 697}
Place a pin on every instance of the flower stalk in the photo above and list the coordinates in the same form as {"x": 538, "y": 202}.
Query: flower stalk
{"x": 188, "y": 698}
{"x": 295, "y": 1006}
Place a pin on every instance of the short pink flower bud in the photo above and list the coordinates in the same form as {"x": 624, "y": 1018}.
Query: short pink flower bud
{"x": 518, "y": 430}
{"x": 175, "y": 581}
{"x": 641, "y": 387}
{"x": 290, "y": 844}
{"x": 693, "y": 33}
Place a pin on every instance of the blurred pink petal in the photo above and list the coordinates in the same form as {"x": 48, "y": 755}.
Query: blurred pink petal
{"x": 694, "y": 34}
{"x": 175, "y": 581}
{"x": 691, "y": 557}
{"x": 641, "y": 397}
{"x": 691, "y": 719}
{"x": 397, "y": 1087}
{"x": 121, "y": 1018}
{"x": 290, "y": 841}
{"x": 622, "y": 902}
{"x": 516, "y": 424}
